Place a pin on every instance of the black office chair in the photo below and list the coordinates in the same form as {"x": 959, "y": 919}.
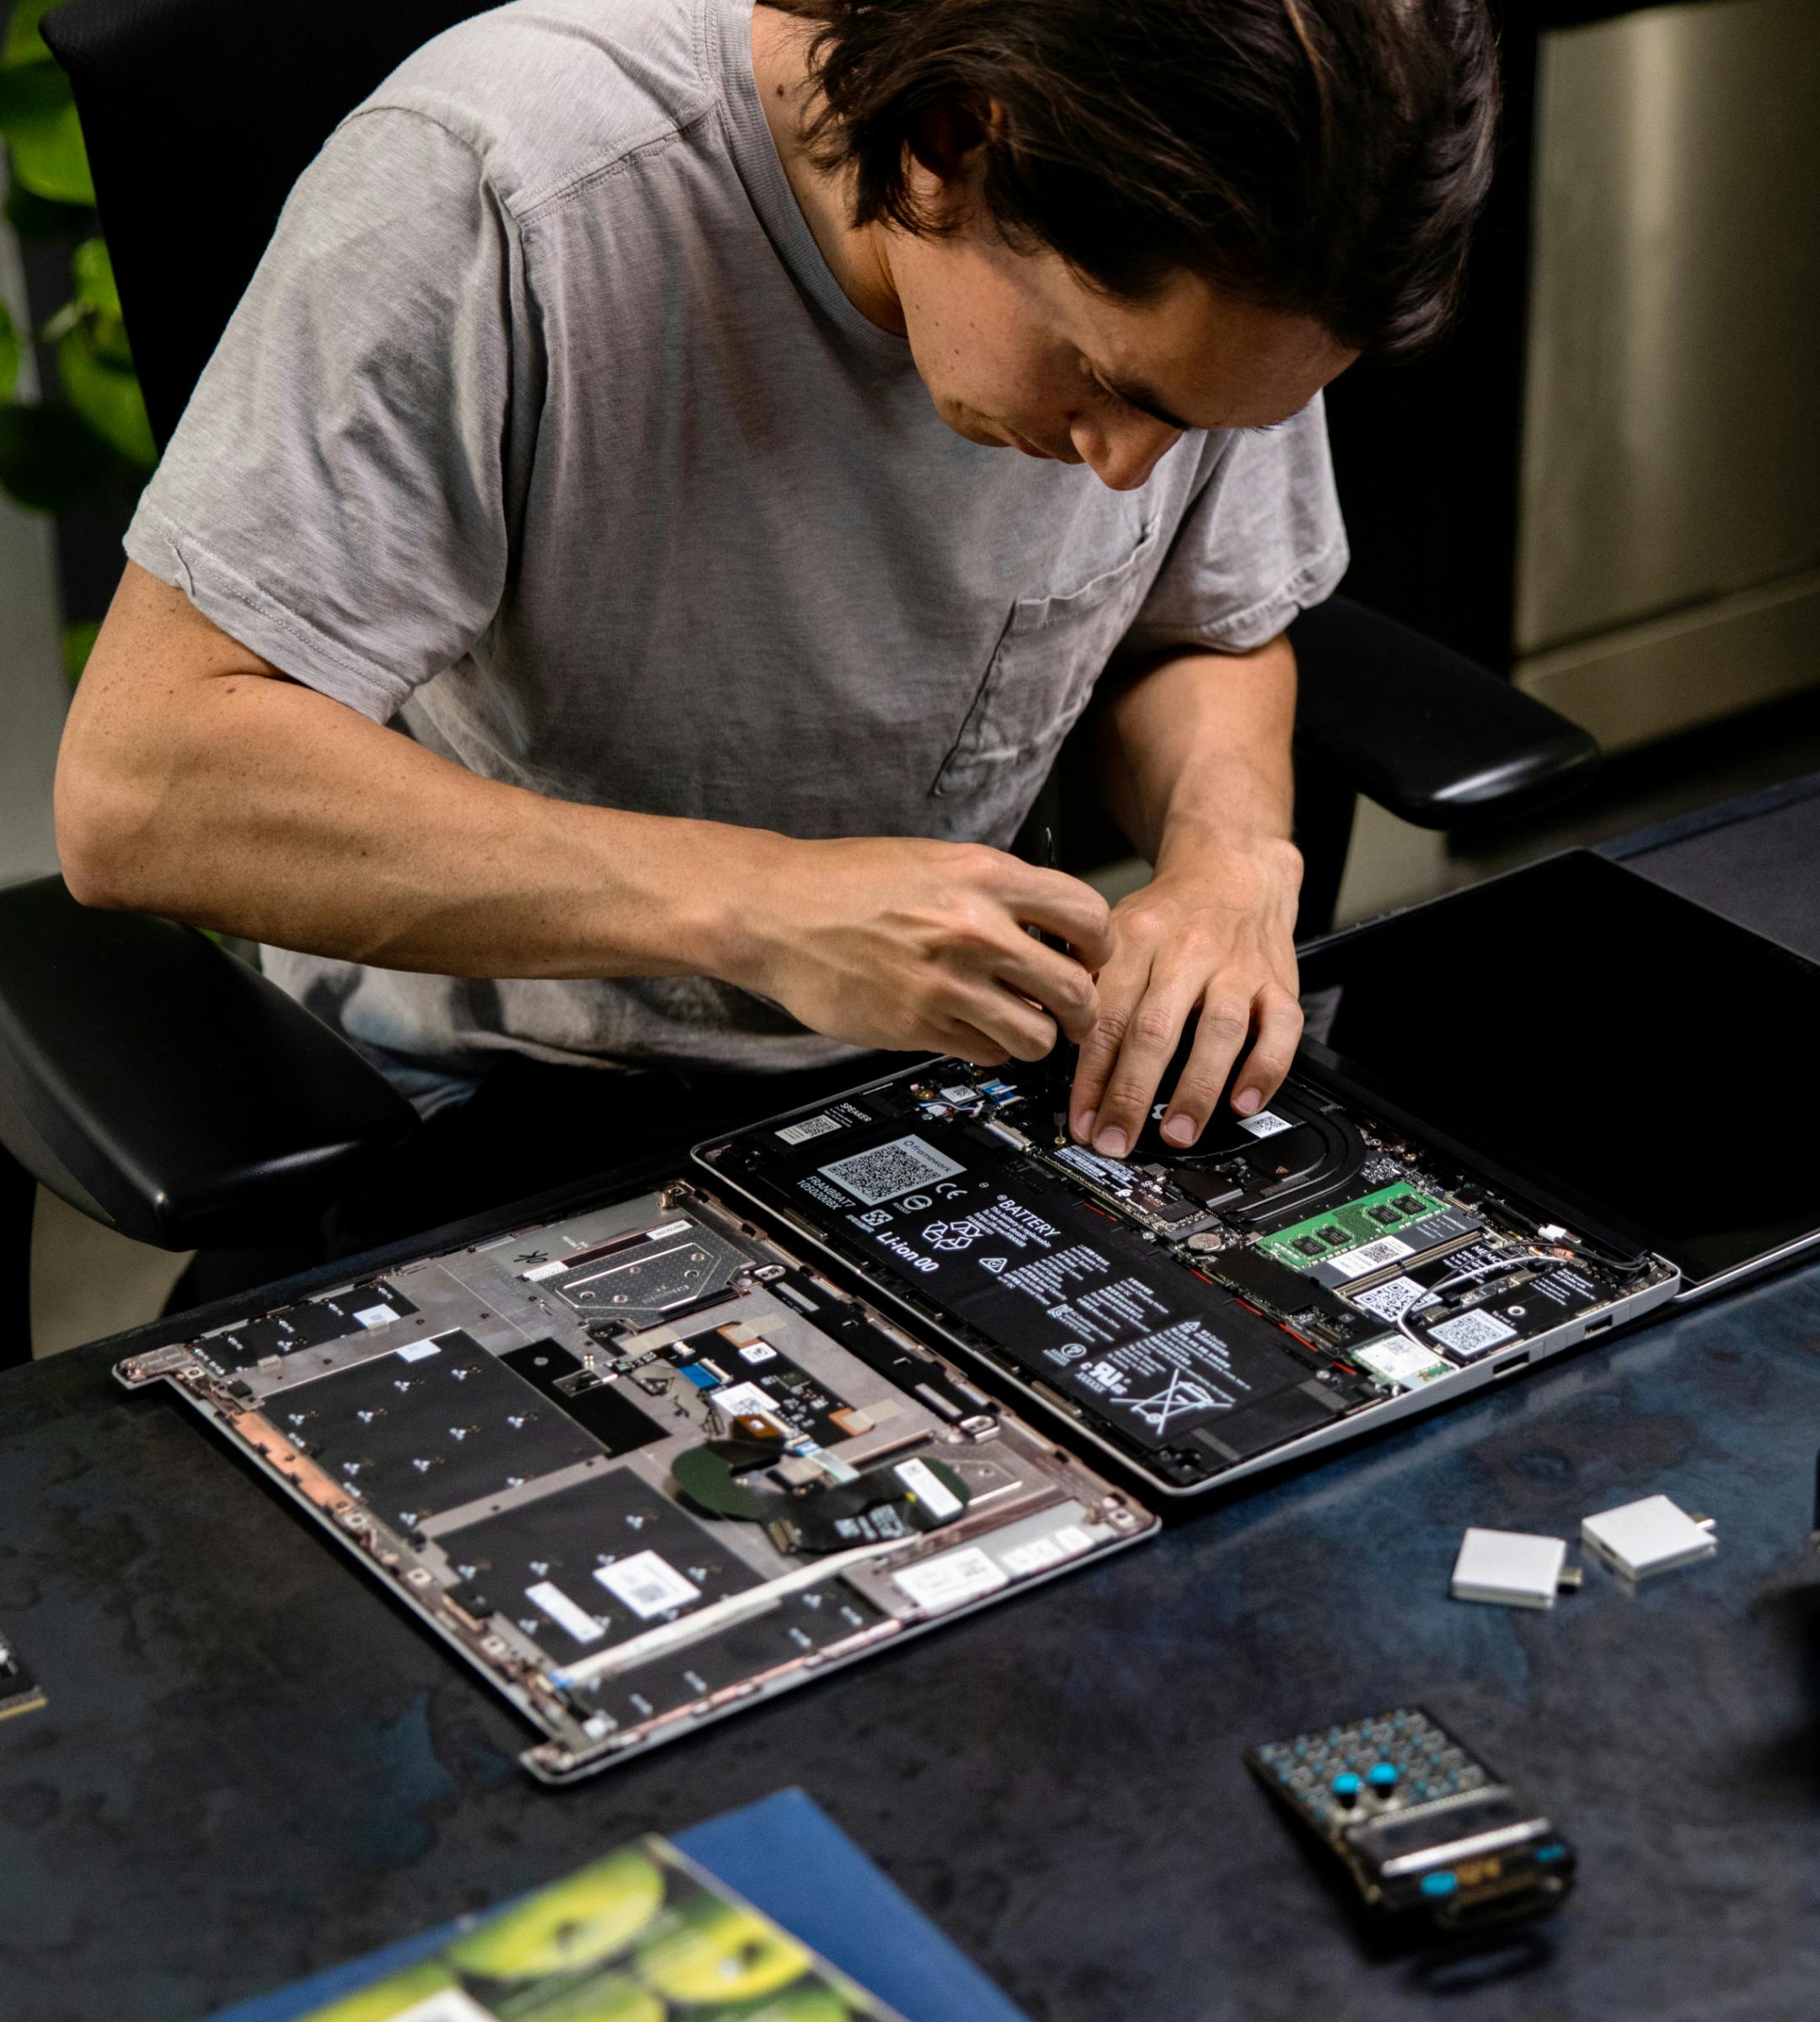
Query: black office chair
{"x": 169, "y": 1091}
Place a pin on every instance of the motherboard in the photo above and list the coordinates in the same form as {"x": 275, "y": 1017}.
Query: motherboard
{"x": 1199, "y": 1312}
{"x": 643, "y": 1466}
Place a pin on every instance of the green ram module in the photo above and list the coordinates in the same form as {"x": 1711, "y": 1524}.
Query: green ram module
{"x": 1349, "y": 1227}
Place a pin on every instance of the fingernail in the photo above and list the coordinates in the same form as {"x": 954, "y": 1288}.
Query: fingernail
{"x": 1084, "y": 1124}
{"x": 1179, "y": 1130}
{"x": 1111, "y": 1142}
{"x": 1246, "y": 1100}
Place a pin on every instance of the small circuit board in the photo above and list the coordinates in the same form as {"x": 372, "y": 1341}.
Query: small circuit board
{"x": 1420, "y": 1823}
{"x": 1198, "y": 1314}
{"x": 643, "y": 1467}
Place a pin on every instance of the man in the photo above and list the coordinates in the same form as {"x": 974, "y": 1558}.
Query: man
{"x": 680, "y": 470}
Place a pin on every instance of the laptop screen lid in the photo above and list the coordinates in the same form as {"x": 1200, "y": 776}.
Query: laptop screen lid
{"x": 1617, "y": 1045}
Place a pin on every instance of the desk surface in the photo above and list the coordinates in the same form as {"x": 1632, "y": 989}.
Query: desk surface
{"x": 251, "y": 1766}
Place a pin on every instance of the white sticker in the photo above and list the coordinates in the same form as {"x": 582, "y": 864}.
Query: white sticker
{"x": 747, "y": 1401}
{"x": 810, "y": 1126}
{"x": 415, "y": 1351}
{"x": 1402, "y": 1363}
{"x": 758, "y": 1351}
{"x": 927, "y": 1486}
{"x": 960, "y": 1093}
{"x": 938, "y": 1583}
{"x": 647, "y": 1583}
{"x": 1369, "y": 1256}
{"x": 549, "y": 1599}
{"x": 1042, "y": 1552}
{"x": 376, "y": 1316}
{"x": 1473, "y": 1333}
{"x": 544, "y": 1270}
{"x": 451, "y": 2004}
{"x": 888, "y": 1170}
{"x": 1265, "y": 1124}
{"x": 1392, "y": 1298}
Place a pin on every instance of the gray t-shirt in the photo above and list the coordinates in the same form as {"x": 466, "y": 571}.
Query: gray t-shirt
{"x": 545, "y": 433}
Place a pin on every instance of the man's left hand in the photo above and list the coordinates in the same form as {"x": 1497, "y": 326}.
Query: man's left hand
{"x": 1212, "y": 932}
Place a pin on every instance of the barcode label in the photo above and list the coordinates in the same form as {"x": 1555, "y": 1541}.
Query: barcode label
{"x": 891, "y": 1170}
{"x": 376, "y": 1316}
{"x": 953, "y": 1578}
{"x": 1265, "y": 1124}
{"x": 1392, "y": 1298}
{"x": 415, "y": 1351}
{"x": 1368, "y": 1257}
{"x": 647, "y": 1583}
{"x": 1473, "y": 1333}
{"x": 810, "y": 1126}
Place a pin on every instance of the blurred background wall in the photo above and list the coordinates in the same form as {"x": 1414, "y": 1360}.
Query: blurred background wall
{"x": 1607, "y": 486}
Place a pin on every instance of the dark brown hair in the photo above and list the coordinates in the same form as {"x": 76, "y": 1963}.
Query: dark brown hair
{"x": 1324, "y": 157}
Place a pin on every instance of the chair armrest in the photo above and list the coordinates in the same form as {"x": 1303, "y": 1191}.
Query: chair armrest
{"x": 164, "y": 1088}
{"x": 1422, "y": 731}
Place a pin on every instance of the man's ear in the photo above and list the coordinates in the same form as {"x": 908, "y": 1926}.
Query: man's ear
{"x": 947, "y": 144}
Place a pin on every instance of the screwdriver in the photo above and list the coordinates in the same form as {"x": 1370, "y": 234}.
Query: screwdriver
{"x": 1058, "y": 1068}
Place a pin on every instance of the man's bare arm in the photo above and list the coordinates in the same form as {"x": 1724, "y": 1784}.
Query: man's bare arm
{"x": 1194, "y": 756}
{"x": 195, "y": 780}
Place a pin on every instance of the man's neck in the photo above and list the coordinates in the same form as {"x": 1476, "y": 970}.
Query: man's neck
{"x": 857, "y": 255}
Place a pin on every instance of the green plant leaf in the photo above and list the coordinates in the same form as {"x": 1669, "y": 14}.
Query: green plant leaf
{"x": 106, "y": 396}
{"x": 24, "y": 43}
{"x": 9, "y": 354}
{"x": 78, "y": 642}
{"x": 36, "y": 217}
{"x": 93, "y": 268}
{"x": 49, "y": 458}
{"x": 39, "y": 124}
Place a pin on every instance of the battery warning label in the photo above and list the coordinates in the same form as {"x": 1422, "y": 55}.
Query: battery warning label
{"x": 1079, "y": 1299}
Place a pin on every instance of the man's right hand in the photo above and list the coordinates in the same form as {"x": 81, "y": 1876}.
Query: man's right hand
{"x": 919, "y": 946}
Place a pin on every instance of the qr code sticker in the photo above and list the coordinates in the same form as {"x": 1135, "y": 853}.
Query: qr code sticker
{"x": 1473, "y": 1333}
{"x": 891, "y": 1170}
{"x": 1392, "y": 1298}
{"x": 810, "y": 1126}
{"x": 647, "y": 1583}
{"x": 1368, "y": 1257}
{"x": 1265, "y": 1124}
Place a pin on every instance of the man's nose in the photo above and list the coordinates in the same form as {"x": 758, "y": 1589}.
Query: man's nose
{"x": 1124, "y": 457}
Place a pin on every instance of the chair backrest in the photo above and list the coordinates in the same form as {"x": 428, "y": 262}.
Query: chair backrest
{"x": 199, "y": 115}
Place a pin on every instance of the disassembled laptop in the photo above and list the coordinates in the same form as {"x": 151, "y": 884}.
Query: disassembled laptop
{"x": 653, "y": 1463}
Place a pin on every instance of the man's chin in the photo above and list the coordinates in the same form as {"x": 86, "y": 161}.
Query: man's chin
{"x": 971, "y": 429}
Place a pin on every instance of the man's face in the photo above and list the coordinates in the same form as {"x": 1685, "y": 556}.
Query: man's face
{"x": 1018, "y": 352}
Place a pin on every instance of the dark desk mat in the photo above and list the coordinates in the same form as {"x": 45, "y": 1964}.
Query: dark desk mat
{"x": 250, "y": 1766}
{"x": 1756, "y": 859}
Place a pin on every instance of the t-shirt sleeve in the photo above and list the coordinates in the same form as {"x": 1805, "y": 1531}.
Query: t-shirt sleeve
{"x": 339, "y": 494}
{"x": 1262, "y": 540}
